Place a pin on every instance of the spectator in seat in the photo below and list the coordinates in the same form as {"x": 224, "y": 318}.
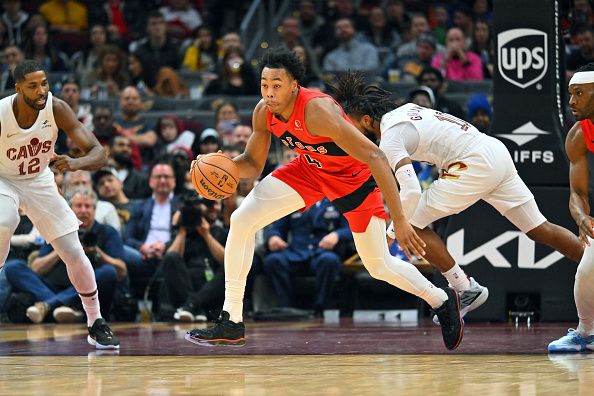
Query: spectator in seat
{"x": 157, "y": 48}
{"x": 306, "y": 243}
{"x": 171, "y": 135}
{"x": 169, "y": 84}
{"x": 433, "y": 79}
{"x": 105, "y": 211}
{"x": 201, "y": 55}
{"x": 131, "y": 123}
{"x": 410, "y": 67}
{"x": 209, "y": 142}
{"x": 457, "y": 63}
{"x": 84, "y": 61}
{"x": 149, "y": 229}
{"x": 235, "y": 76}
{"x": 109, "y": 77}
{"x": 142, "y": 74}
{"x": 70, "y": 93}
{"x": 39, "y": 48}
{"x": 193, "y": 265}
{"x": 15, "y": 21}
{"x": 111, "y": 189}
{"x": 482, "y": 45}
{"x": 47, "y": 278}
{"x": 136, "y": 184}
{"x": 102, "y": 127}
{"x": 350, "y": 53}
{"x": 13, "y": 55}
{"x": 480, "y": 112}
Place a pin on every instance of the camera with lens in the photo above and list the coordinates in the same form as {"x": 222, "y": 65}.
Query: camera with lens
{"x": 190, "y": 211}
{"x": 89, "y": 239}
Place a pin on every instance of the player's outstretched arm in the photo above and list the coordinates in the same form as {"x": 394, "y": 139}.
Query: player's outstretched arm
{"x": 251, "y": 162}
{"x": 324, "y": 117}
{"x": 84, "y": 139}
{"x": 579, "y": 206}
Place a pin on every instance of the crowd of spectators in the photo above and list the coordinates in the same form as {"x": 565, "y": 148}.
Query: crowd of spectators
{"x": 147, "y": 231}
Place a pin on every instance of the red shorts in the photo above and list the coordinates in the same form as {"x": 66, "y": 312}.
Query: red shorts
{"x": 354, "y": 194}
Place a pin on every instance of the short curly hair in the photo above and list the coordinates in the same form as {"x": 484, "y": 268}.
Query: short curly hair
{"x": 282, "y": 58}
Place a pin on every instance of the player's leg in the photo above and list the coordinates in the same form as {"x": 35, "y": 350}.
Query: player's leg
{"x": 462, "y": 186}
{"x": 9, "y": 220}
{"x": 270, "y": 200}
{"x": 58, "y": 225}
{"x": 376, "y": 257}
{"x": 582, "y": 338}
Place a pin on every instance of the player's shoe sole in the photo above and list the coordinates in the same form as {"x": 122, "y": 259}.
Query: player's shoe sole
{"x": 215, "y": 342}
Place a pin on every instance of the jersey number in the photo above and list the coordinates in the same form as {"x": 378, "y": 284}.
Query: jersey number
{"x": 32, "y": 167}
{"x": 312, "y": 161}
{"x": 454, "y": 120}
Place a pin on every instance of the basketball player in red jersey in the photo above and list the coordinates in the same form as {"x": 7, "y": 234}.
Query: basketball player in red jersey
{"x": 29, "y": 124}
{"x": 335, "y": 161}
{"x": 580, "y": 141}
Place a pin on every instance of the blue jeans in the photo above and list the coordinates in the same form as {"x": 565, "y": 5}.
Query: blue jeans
{"x": 5, "y": 287}
{"x": 24, "y": 279}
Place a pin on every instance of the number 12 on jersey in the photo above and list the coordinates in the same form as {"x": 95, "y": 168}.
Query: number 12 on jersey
{"x": 32, "y": 167}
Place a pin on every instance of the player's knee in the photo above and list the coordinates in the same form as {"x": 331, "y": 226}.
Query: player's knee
{"x": 585, "y": 273}
{"x": 9, "y": 220}
{"x": 376, "y": 267}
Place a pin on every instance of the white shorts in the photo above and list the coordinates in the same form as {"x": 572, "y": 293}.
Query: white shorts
{"x": 39, "y": 198}
{"x": 485, "y": 171}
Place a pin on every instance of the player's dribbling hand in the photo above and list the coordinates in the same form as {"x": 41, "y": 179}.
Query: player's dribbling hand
{"x": 62, "y": 163}
{"x": 586, "y": 225}
{"x": 410, "y": 243}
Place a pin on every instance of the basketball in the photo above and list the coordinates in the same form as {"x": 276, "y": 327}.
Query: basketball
{"x": 215, "y": 176}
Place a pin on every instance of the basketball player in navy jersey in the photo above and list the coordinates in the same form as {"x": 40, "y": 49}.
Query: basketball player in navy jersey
{"x": 29, "y": 124}
{"x": 580, "y": 141}
{"x": 335, "y": 161}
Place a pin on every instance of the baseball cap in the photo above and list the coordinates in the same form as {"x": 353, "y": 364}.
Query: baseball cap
{"x": 104, "y": 172}
{"x": 424, "y": 90}
{"x": 209, "y": 133}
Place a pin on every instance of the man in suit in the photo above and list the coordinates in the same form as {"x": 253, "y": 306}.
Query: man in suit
{"x": 149, "y": 229}
{"x": 309, "y": 242}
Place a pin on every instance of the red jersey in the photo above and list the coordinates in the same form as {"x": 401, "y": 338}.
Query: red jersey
{"x": 588, "y": 132}
{"x": 320, "y": 151}
{"x": 323, "y": 169}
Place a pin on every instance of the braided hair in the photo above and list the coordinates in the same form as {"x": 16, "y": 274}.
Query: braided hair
{"x": 358, "y": 99}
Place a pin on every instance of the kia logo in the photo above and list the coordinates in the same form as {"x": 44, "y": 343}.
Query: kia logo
{"x": 522, "y": 56}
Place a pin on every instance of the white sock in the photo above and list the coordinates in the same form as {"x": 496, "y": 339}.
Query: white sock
{"x": 434, "y": 296}
{"x": 234, "y": 290}
{"x": 90, "y": 303}
{"x": 457, "y": 278}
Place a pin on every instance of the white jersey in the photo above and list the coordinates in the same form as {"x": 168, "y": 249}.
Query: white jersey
{"x": 425, "y": 135}
{"x": 26, "y": 153}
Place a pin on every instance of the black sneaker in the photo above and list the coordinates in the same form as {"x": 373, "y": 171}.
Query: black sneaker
{"x": 101, "y": 336}
{"x": 452, "y": 324}
{"x": 223, "y": 332}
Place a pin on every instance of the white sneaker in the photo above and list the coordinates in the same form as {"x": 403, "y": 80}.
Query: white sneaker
{"x": 37, "y": 312}
{"x": 66, "y": 314}
{"x": 470, "y": 299}
{"x": 183, "y": 315}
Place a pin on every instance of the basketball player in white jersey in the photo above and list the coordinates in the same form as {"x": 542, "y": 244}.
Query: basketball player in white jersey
{"x": 472, "y": 165}
{"x": 29, "y": 123}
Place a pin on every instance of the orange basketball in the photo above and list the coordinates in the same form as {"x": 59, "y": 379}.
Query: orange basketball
{"x": 215, "y": 176}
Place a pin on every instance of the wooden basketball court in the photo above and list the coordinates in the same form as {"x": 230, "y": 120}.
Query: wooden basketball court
{"x": 309, "y": 358}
